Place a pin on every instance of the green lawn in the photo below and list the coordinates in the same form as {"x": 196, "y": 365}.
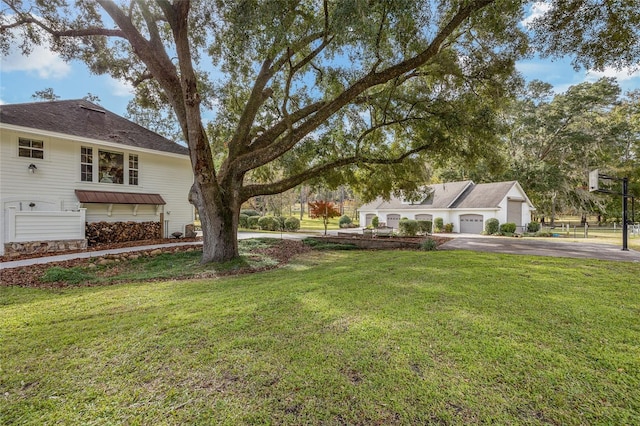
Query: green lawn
{"x": 360, "y": 337}
{"x": 596, "y": 235}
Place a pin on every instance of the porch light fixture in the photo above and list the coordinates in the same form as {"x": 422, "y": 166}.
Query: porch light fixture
{"x": 32, "y": 168}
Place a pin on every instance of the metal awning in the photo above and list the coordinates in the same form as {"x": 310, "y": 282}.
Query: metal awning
{"x": 112, "y": 197}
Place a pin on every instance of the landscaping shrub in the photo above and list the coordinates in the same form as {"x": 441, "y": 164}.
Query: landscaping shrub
{"x": 544, "y": 234}
{"x": 280, "y": 222}
{"x": 252, "y": 222}
{"x": 492, "y": 226}
{"x": 268, "y": 223}
{"x": 242, "y": 221}
{"x": 425, "y": 226}
{"x": 448, "y": 228}
{"x": 533, "y": 226}
{"x": 68, "y": 275}
{"x": 249, "y": 212}
{"x": 438, "y": 223}
{"x": 429, "y": 245}
{"x": 292, "y": 224}
{"x": 344, "y": 221}
{"x": 375, "y": 221}
{"x": 508, "y": 228}
{"x": 408, "y": 227}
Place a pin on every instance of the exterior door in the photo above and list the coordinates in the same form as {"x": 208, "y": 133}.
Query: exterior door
{"x": 471, "y": 224}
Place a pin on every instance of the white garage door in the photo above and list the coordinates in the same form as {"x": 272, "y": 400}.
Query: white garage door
{"x": 393, "y": 221}
{"x": 471, "y": 224}
{"x": 424, "y": 217}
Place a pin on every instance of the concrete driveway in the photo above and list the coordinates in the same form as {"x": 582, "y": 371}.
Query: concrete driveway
{"x": 542, "y": 247}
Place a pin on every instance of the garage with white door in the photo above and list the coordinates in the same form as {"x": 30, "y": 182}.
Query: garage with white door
{"x": 393, "y": 221}
{"x": 471, "y": 224}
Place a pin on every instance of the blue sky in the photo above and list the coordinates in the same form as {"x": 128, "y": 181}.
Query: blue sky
{"x": 21, "y": 77}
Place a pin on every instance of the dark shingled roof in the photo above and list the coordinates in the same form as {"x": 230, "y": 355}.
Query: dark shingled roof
{"x": 484, "y": 195}
{"x": 441, "y": 197}
{"x": 112, "y": 197}
{"x": 88, "y": 120}
{"x": 455, "y": 195}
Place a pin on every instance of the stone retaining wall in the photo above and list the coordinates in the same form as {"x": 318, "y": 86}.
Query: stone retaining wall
{"x": 42, "y": 247}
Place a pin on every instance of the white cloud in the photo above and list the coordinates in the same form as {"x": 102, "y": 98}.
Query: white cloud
{"x": 120, "y": 87}
{"x": 42, "y": 62}
{"x": 537, "y": 10}
{"x": 622, "y": 74}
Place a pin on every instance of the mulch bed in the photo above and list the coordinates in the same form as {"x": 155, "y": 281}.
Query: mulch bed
{"x": 30, "y": 276}
{"x": 283, "y": 252}
{"x": 99, "y": 247}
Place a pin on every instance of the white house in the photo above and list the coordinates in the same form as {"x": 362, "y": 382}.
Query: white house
{"x": 64, "y": 163}
{"x": 464, "y": 204}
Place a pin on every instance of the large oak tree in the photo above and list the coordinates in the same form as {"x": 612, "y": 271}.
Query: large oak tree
{"x": 351, "y": 90}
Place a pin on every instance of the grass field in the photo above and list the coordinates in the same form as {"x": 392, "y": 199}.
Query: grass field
{"x": 597, "y": 235}
{"x": 361, "y": 337}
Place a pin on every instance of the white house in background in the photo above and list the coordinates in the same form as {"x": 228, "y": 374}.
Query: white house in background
{"x": 66, "y": 162}
{"x": 465, "y": 204}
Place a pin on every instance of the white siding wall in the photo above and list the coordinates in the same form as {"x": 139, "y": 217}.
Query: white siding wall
{"x": 52, "y": 186}
{"x": 25, "y": 226}
{"x": 514, "y": 192}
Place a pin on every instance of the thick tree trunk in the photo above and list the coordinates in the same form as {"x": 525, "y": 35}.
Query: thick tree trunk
{"x": 219, "y": 222}
{"x": 220, "y": 237}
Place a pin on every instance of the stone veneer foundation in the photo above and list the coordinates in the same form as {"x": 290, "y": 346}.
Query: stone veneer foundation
{"x": 42, "y": 247}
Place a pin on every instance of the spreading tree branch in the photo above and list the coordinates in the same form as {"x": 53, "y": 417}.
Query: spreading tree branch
{"x": 254, "y": 190}
{"x": 280, "y": 146}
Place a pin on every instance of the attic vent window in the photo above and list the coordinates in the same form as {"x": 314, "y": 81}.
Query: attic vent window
{"x": 93, "y": 109}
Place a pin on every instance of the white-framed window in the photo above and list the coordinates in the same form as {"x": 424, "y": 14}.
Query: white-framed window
{"x": 105, "y": 166}
{"x": 133, "y": 169}
{"x": 30, "y": 148}
{"x": 86, "y": 164}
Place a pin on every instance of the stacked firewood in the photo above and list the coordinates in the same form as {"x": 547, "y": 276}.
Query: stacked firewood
{"x": 118, "y": 232}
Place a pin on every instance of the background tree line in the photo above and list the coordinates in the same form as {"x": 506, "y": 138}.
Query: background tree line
{"x": 551, "y": 141}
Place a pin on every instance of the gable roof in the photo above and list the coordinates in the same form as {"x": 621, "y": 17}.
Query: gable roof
{"x": 454, "y": 195}
{"x": 88, "y": 120}
{"x": 443, "y": 195}
{"x": 484, "y": 195}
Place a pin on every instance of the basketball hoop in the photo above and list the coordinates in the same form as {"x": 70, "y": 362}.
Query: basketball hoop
{"x": 593, "y": 180}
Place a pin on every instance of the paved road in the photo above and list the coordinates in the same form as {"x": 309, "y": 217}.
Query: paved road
{"x": 542, "y": 247}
